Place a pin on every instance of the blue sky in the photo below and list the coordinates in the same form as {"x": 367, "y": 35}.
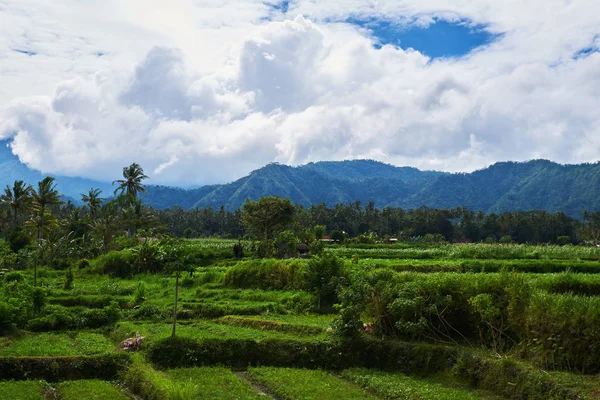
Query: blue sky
{"x": 438, "y": 39}
{"x": 202, "y": 92}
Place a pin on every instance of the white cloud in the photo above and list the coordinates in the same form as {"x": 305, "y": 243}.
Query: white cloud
{"x": 205, "y": 91}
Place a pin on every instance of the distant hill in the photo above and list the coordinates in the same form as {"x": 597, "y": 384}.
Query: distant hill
{"x": 12, "y": 169}
{"x": 504, "y": 186}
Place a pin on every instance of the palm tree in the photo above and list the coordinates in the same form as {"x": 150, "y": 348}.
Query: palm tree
{"x": 45, "y": 197}
{"x": 18, "y": 199}
{"x": 93, "y": 201}
{"x": 132, "y": 184}
{"x": 107, "y": 225}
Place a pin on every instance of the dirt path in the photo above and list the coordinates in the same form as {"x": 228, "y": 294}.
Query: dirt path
{"x": 258, "y": 388}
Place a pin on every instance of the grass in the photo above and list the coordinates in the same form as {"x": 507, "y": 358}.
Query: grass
{"x": 471, "y": 251}
{"x": 303, "y": 384}
{"x": 539, "y": 266}
{"x": 22, "y": 390}
{"x": 201, "y": 330}
{"x": 89, "y": 389}
{"x": 57, "y": 344}
{"x": 209, "y": 383}
{"x": 391, "y": 385}
{"x": 270, "y": 325}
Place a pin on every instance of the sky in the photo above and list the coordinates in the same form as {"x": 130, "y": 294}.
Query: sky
{"x": 205, "y": 91}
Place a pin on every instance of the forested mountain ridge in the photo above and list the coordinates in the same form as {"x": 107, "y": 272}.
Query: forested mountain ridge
{"x": 504, "y": 186}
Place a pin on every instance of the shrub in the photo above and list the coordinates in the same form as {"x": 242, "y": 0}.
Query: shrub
{"x": 322, "y": 278}
{"x": 13, "y": 277}
{"x": 267, "y": 274}
{"x": 69, "y": 279}
{"x": 562, "y": 332}
{"x": 116, "y": 263}
{"x": 55, "y": 369}
{"x": 18, "y": 240}
{"x": 506, "y": 240}
{"x": 71, "y": 318}
{"x": 140, "y": 293}
{"x": 563, "y": 240}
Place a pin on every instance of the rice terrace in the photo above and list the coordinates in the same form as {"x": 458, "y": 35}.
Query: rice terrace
{"x": 104, "y": 301}
{"x": 299, "y": 200}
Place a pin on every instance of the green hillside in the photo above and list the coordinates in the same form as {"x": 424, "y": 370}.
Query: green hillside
{"x": 504, "y": 186}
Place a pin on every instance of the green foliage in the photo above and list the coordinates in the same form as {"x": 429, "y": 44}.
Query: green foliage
{"x": 209, "y": 383}
{"x": 506, "y": 239}
{"x": 139, "y": 295}
{"x": 69, "y": 318}
{"x": 290, "y": 384}
{"x": 18, "y": 239}
{"x": 54, "y": 369}
{"x": 561, "y": 332}
{"x": 89, "y": 389}
{"x": 23, "y": 390}
{"x": 266, "y": 218}
{"x": 319, "y": 231}
{"x": 116, "y": 263}
{"x": 262, "y": 324}
{"x": 267, "y": 274}
{"x": 391, "y": 385}
{"x": 69, "y": 279}
{"x": 322, "y": 278}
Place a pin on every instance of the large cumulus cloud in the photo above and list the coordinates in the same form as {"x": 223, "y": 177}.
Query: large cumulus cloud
{"x": 315, "y": 88}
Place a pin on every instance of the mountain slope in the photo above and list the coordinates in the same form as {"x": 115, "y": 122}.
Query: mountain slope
{"x": 504, "y": 186}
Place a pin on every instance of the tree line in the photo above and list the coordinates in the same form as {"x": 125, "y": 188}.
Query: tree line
{"x": 39, "y": 227}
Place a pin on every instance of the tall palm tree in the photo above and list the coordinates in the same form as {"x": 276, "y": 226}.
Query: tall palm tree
{"x": 93, "y": 201}
{"x": 44, "y": 198}
{"x": 18, "y": 199}
{"x": 132, "y": 182}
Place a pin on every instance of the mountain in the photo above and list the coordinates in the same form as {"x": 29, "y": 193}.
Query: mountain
{"x": 12, "y": 169}
{"x": 504, "y": 186}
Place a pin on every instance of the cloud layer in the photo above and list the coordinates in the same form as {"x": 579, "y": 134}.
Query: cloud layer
{"x": 201, "y": 92}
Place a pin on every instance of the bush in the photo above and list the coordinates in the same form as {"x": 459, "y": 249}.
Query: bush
{"x": 562, "y": 332}
{"x": 370, "y": 353}
{"x": 563, "y": 240}
{"x": 13, "y": 277}
{"x": 18, "y": 240}
{"x": 54, "y": 369}
{"x": 69, "y": 279}
{"x": 267, "y": 274}
{"x": 322, "y": 278}
{"x": 117, "y": 263}
{"x": 58, "y": 318}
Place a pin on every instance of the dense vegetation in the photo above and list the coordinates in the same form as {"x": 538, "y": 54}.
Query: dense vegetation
{"x": 275, "y": 311}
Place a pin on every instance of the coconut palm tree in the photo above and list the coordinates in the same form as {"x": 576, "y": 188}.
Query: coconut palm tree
{"x": 17, "y": 199}
{"x": 93, "y": 201}
{"x": 44, "y": 198}
{"x": 107, "y": 225}
{"x": 132, "y": 182}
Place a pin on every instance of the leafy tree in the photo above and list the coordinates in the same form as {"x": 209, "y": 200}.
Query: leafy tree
{"x": 131, "y": 184}
{"x": 265, "y": 219}
{"x": 93, "y": 201}
{"x": 319, "y": 231}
